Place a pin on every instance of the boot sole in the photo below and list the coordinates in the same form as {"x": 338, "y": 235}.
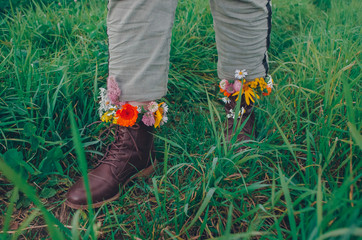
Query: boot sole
{"x": 143, "y": 174}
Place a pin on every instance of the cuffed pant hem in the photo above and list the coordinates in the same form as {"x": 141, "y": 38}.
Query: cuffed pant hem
{"x": 151, "y": 96}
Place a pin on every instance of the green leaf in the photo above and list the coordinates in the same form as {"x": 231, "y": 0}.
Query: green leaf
{"x": 51, "y": 162}
{"x": 55, "y": 154}
{"x": 30, "y": 132}
{"x": 48, "y": 192}
{"x": 13, "y": 158}
{"x": 355, "y": 134}
{"x": 29, "y": 129}
{"x": 35, "y": 141}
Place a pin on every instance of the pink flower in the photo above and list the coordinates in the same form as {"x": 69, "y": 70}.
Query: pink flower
{"x": 229, "y": 88}
{"x": 237, "y": 86}
{"x": 223, "y": 84}
{"x": 148, "y": 119}
{"x": 113, "y": 90}
{"x": 152, "y": 106}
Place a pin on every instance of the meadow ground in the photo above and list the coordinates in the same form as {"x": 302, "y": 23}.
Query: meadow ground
{"x": 300, "y": 178}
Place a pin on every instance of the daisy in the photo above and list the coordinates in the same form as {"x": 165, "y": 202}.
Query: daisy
{"x": 226, "y": 100}
{"x": 240, "y": 74}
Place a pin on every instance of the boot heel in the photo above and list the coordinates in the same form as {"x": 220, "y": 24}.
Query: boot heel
{"x": 147, "y": 171}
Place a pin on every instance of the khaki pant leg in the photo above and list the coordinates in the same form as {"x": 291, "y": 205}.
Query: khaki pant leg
{"x": 242, "y": 29}
{"x": 139, "y": 36}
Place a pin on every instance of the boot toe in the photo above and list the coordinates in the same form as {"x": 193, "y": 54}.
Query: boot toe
{"x": 76, "y": 196}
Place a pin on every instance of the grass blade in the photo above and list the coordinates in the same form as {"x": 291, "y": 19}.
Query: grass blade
{"x": 204, "y": 204}
{"x": 290, "y": 210}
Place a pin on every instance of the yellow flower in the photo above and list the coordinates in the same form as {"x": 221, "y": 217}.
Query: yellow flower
{"x": 254, "y": 84}
{"x": 236, "y": 94}
{"x": 262, "y": 84}
{"x": 249, "y": 94}
{"x": 158, "y": 118}
{"x": 158, "y": 115}
{"x": 106, "y": 117}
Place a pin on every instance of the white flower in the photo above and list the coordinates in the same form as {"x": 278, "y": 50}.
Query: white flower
{"x": 241, "y": 112}
{"x": 152, "y": 107}
{"x": 164, "y": 116}
{"x": 165, "y": 108}
{"x": 104, "y": 102}
{"x": 164, "y": 119}
{"x": 226, "y": 100}
{"x": 103, "y": 93}
{"x": 223, "y": 84}
{"x": 111, "y": 113}
{"x": 270, "y": 82}
{"x": 240, "y": 74}
{"x": 231, "y": 114}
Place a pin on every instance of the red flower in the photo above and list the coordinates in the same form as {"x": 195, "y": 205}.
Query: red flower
{"x": 127, "y": 115}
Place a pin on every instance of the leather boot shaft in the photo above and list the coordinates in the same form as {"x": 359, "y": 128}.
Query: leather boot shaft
{"x": 245, "y": 115}
{"x": 129, "y": 154}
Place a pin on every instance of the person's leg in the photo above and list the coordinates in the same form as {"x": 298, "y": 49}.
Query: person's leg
{"x": 242, "y": 29}
{"x": 139, "y": 35}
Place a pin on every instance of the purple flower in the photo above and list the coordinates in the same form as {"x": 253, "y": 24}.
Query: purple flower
{"x": 148, "y": 119}
{"x": 113, "y": 90}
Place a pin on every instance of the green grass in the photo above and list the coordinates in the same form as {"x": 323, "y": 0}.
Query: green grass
{"x": 299, "y": 179}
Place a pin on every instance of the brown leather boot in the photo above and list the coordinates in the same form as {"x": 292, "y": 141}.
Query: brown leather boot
{"x": 245, "y": 111}
{"x": 127, "y": 157}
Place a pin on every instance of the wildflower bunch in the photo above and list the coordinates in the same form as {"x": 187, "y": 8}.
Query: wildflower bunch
{"x": 251, "y": 89}
{"x": 126, "y": 115}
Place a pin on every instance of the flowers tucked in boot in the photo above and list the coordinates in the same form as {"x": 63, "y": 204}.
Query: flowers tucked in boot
{"x": 130, "y": 155}
{"x": 248, "y": 91}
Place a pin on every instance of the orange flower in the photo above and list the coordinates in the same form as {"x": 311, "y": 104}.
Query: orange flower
{"x": 269, "y": 91}
{"x": 226, "y": 94}
{"x": 127, "y": 115}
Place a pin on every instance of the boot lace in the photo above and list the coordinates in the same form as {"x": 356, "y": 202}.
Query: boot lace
{"x": 118, "y": 148}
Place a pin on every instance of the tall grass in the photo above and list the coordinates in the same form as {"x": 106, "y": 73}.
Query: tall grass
{"x": 300, "y": 178}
